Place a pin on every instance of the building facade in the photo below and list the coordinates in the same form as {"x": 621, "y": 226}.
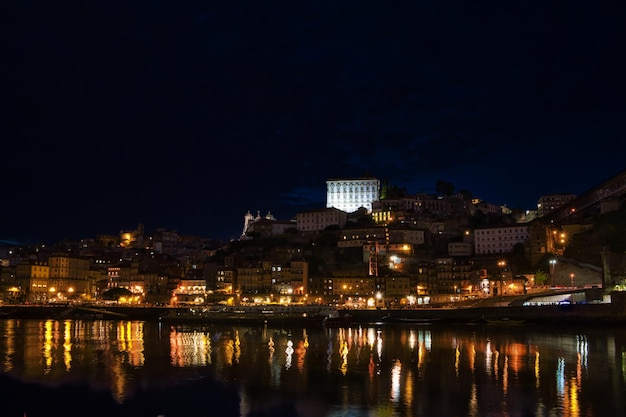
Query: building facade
{"x": 551, "y": 202}
{"x": 318, "y": 220}
{"x": 350, "y": 194}
{"x": 500, "y": 239}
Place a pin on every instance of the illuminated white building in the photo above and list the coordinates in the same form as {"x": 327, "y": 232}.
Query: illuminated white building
{"x": 350, "y": 194}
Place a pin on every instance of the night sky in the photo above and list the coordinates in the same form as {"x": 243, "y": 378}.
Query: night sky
{"x": 185, "y": 115}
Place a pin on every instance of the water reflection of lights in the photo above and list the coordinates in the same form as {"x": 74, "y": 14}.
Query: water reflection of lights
{"x": 47, "y": 344}
{"x": 9, "y": 348}
{"x": 396, "y": 372}
{"x": 343, "y": 351}
{"x": 505, "y": 375}
{"x": 574, "y": 404}
{"x": 379, "y": 346}
{"x": 237, "y": 348}
{"x": 507, "y": 360}
{"x": 560, "y": 377}
{"x": 289, "y": 352}
{"x": 329, "y": 355}
{"x": 537, "y": 368}
{"x": 271, "y": 349}
{"x": 412, "y": 339}
{"x": 130, "y": 341}
{"x": 425, "y": 337}
{"x": 488, "y": 358}
{"x": 582, "y": 347}
{"x": 229, "y": 351}
{"x": 67, "y": 344}
{"x": 371, "y": 338}
{"x": 190, "y": 349}
{"x": 301, "y": 353}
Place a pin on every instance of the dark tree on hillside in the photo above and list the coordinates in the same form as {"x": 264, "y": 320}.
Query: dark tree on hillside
{"x": 390, "y": 191}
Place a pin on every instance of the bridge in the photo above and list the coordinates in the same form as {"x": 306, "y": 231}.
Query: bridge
{"x": 612, "y": 187}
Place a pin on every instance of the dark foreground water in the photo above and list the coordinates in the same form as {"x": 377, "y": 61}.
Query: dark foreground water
{"x": 131, "y": 368}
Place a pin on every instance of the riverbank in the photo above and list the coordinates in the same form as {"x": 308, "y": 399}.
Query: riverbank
{"x": 584, "y": 312}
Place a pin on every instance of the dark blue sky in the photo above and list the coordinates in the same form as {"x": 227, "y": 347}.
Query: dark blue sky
{"x": 185, "y": 115}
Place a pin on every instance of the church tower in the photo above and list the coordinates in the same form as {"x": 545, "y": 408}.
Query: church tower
{"x": 247, "y": 221}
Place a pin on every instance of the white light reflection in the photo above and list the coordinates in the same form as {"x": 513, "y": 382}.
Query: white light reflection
{"x": 395, "y": 381}
{"x": 379, "y": 346}
{"x": 488, "y": 358}
{"x": 412, "y": 340}
{"x": 560, "y": 378}
{"x": 371, "y": 338}
{"x": 289, "y": 352}
{"x": 582, "y": 347}
{"x": 426, "y": 339}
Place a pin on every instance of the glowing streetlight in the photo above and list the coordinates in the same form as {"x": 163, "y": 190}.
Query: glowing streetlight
{"x": 501, "y": 264}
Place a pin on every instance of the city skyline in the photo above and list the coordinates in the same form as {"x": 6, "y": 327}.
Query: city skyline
{"x": 187, "y": 116}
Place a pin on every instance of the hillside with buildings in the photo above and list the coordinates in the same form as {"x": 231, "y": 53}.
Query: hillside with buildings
{"x": 365, "y": 248}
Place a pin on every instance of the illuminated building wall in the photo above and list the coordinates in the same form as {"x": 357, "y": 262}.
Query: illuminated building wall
{"x": 362, "y": 236}
{"x": 317, "y": 220}
{"x": 490, "y": 240}
{"x": 350, "y": 194}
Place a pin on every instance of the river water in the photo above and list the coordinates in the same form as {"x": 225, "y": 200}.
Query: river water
{"x": 105, "y": 367}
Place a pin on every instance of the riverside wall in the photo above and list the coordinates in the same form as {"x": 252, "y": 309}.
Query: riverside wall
{"x": 600, "y": 313}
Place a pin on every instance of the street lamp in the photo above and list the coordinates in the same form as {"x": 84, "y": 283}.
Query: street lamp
{"x": 552, "y": 266}
{"x": 571, "y": 278}
{"x": 501, "y": 264}
{"x": 379, "y": 299}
